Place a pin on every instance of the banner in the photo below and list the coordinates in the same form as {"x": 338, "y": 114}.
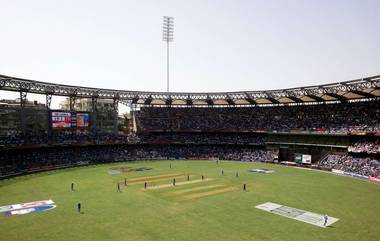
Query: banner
{"x": 337, "y": 171}
{"x": 351, "y": 174}
{"x": 261, "y": 170}
{"x": 359, "y": 133}
{"x": 302, "y": 158}
{"x": 306, "y": 159}
{"x": 298, "y": 158}
{"x": 374, "y": 179}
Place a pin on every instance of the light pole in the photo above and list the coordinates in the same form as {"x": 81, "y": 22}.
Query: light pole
{"x": 168, "y": 29}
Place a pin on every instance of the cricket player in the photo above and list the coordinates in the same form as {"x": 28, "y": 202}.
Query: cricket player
{"x": 326, "y": 218}
{"x": 72, "y": 186}
{"x": 79, "y": 207}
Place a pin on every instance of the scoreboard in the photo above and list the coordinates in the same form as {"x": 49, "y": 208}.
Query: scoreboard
{"x": 65, "y": 120}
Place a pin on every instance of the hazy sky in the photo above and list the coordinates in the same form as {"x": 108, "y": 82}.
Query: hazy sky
{"x": 219, "y": 45}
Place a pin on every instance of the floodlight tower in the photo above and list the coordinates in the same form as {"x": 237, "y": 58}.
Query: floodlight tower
{"x": 168, "y": 29}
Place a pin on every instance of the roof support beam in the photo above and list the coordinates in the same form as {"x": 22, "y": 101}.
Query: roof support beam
{"x": 365, "y": 94}
{"x": 230, "y": 101}
{"x": 135, "y": 99}
{"x": 148, "y": 100}
{"x": 169, "y": 101}
{"x": 316, "y": 98}
{"x": 336, "y": 96}
{"x": 273, "y": 100}
{"x": 209, "y": 101}
{"x": 251, "y": 101}
{"x": 189, "y": 101}
{"x": 295, "y": 99}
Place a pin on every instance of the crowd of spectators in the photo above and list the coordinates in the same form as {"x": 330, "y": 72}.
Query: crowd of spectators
{"x": 13, "y": 162}
{"x": 366, "y": 166}
{"x": 87, "y": 137}
{"x": 323, "y": 118}
{"x": 202, "y": 138}
{"x": 365, "y": 146}
{"x": 91, "y": 138}
{"x": 18, "y": 139}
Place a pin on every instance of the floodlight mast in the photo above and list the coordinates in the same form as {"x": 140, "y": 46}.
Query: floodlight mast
{"x": 168, "y": 29}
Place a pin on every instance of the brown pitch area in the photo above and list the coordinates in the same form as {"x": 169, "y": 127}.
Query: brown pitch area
{"x": 154, "y": 177}
{"x": 177, "y": 184}
{"x": 156, "y": 180}
{"x": 196, "y": 189}
{"x": 209, "y": 193}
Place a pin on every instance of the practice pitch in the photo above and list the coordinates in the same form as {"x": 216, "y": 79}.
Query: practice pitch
{"x": 297, "y": 214}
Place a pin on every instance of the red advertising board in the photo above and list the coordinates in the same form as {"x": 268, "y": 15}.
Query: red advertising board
{"x": 374, "y": 179}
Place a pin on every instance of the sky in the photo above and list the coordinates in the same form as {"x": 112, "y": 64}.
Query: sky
{"x": 219, "y": 45}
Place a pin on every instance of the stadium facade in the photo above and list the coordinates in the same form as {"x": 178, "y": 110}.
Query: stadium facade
{"x": 333, "y": 127}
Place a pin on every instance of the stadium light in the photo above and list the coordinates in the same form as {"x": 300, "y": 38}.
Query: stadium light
{"x": 168, "y": 29}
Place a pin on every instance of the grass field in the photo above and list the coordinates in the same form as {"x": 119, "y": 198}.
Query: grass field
{"x": 213, "y": 209}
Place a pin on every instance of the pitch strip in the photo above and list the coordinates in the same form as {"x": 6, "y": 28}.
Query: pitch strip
{"x": 297, "y": 214}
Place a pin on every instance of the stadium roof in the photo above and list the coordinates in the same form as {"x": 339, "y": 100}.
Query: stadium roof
{"x": 365, "y": 88}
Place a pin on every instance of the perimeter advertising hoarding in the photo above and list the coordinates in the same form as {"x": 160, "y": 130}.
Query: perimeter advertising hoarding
{"x": 298, "y": 158}
{"x": 306, "y": 159}
{"x": 374, "y": 179}
{"x": 302, "y": 158}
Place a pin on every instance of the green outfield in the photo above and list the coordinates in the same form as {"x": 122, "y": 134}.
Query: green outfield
{"x": 215, "y": 208}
